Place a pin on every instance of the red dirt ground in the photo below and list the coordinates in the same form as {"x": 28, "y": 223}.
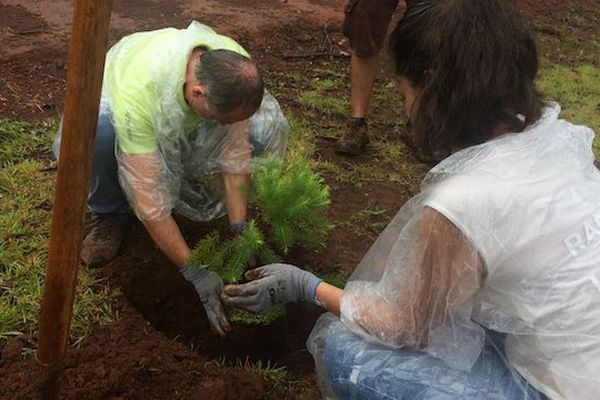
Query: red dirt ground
{"x": 160, "y": 345}
{"x": 130, "y": 360}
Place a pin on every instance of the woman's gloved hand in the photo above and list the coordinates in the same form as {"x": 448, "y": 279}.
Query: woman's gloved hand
{"x": 270, "y": 286}
{"x": 209, "y": 285}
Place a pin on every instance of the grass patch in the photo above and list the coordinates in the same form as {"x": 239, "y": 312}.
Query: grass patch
{"x": 577, "y": 90}
{"x": 375, "y": 219}
{"x": 323, "y": 96}
{"x": 336, "y": 280}
{"x": 301, "y": 143}
{"x": 276, "y": 379}
{"x": 248, "y": 318}
{"x": 26, "y": 196}
{"x": 327, "y": 105}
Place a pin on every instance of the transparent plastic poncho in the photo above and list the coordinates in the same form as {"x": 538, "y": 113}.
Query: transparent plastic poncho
{"x": 503, "y": 236}
{"x": 186, "y": 174}
{"x": 169, "y": 158}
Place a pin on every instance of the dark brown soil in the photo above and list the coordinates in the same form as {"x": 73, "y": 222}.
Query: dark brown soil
{"x": 169, "y": 304}
{"x": 160, "y": 345}
{"x": 129, "y": 360}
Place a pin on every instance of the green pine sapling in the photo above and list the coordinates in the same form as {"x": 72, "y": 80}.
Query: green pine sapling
{"x": 291, "y": 199}
{"x": 230, "y": 258}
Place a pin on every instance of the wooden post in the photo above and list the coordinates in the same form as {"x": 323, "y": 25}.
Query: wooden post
{"x": 89, "y": 39}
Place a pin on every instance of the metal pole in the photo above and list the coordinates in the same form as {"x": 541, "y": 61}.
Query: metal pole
{"x": 89, "y": 39}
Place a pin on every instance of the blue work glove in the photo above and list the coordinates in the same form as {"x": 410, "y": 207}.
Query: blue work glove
{"x": 209, "y": 285}
{"x": 270, "y": 286}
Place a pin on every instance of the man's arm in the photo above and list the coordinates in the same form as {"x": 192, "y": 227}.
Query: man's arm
{"x": 235, "y": 200}
{"x": 168, "y": 238}
{"x": 146, "y": 191}
{"x": 236, "y": 157}
{"x": 143, "y": 175}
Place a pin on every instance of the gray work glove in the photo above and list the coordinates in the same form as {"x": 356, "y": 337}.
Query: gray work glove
{"x": 209, "y": 286}
{"x": 270, "y": 286}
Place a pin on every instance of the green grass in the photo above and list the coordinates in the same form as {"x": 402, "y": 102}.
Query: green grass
{"x": 277, "y": 381}
{"x": 337, "y": 280}
{"x": 26, "y": 196}
{"x": 302, "y": 139}
{"x": 372, "y": 218}
{"x": 577, "y": 89}
{"x": 248, "y": 318}
{"x": 327, "y": 105}
{"x": 322, "y": 96}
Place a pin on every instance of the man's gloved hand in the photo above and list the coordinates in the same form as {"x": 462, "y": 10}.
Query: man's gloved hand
{"x": 209, "y": 286}
{"x": 270, "y": 286}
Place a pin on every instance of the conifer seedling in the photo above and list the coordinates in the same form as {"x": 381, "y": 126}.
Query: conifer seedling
{"x": 230, "y": 258}
{"x": 291, "y": 199}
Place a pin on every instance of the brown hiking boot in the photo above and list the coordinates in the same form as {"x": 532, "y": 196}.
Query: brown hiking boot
{"x": 104, "y": 239}
{"x": 356, "y": 138}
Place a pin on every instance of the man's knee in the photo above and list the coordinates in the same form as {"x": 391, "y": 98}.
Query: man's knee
{"x": 366, "y": 24}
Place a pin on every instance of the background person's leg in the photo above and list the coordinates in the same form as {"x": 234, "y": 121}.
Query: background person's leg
{"x": 365, "y": 25}
{"x": 356, "y": 369}
{"x": 363, "y": 71}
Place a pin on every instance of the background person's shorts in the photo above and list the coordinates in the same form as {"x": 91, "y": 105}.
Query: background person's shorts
{"x": 366, "y": 24}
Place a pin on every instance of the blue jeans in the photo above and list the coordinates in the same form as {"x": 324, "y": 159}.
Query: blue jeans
{"x": 105, "y": 195}
{"x": 359, "y": 370}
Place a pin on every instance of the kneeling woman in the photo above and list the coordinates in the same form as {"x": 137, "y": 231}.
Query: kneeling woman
{"x": 486, "y": 284}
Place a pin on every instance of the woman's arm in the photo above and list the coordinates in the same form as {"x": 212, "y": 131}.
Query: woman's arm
{"x": 329, "y": 297}
{"x": 442, "y": 272}
{"x": 428, "y": 277}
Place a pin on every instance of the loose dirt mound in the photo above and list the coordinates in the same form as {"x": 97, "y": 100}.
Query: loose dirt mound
{"x": 129, "y": 360}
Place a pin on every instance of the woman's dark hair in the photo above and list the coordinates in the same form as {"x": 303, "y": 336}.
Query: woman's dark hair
{"x": 475, "y": 62}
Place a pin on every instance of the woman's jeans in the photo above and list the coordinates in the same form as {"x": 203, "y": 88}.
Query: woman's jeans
{"x": 359, "y": 370}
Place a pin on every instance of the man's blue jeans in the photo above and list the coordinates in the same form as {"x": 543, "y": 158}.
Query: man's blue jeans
{"x": 105, "y": 195}
{"x": 411, "y": 375}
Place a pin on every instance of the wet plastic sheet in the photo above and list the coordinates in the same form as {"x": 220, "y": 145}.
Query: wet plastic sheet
{"x": 505, "y": 236}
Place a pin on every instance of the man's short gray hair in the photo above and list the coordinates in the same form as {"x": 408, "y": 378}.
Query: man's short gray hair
{"x": 232, "y": 81}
